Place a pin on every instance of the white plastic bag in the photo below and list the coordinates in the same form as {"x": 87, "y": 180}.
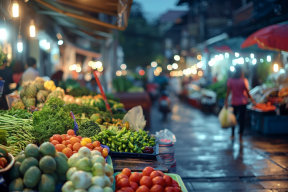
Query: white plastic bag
{"x": 227, "y": 118}
{"x": 166, "y": 135}
{"x": 135, "y": 118}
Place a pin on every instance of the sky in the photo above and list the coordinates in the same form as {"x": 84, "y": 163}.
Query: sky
{"x": 155, "y": 8}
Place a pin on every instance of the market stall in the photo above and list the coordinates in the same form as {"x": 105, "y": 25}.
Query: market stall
{"x": 51, "y": 141}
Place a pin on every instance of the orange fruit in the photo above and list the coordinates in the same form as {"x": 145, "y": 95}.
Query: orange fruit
{"x": 68, "y": 142}
{"x": 68, "y": 137}
{"x": 51, "y": 139}
{"x": 58, "y": 138}
{"x": 55, "y": 142}
{"x": 64, "y": 143}
{"x": 60, "y": 147}
{"x": 98, "y": 149}
{"x": 96, "y": 144}
{"x": 74, "y": 140}
{"x": 68, "y": 152}
{"x": 105, "y": 152}
{"x": 70, "y": 146}
{"x": 77, "y": 146}
{"x": 89, "y": 145}
{"x": 64, "y": 136}
{"x": 70, "y": 132}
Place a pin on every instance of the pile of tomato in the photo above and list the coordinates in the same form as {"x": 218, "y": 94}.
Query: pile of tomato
{"x": 147, "y": 181}
{"x": 70, "y": 143}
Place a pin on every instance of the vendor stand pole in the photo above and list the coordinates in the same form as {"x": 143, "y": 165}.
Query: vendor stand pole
{"x": 102, "y": 91}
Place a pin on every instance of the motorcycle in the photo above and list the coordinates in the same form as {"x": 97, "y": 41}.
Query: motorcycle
{"x": 164, "y": 103}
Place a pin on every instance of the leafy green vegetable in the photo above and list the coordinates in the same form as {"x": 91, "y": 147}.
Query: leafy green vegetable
{"x": 54, "y": 118}
{"x": 18, "y": 113}
{"x": 88, "y": 129}
{"x": 78, "y": 110}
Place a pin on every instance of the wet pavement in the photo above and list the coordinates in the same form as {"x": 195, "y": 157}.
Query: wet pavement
{"x": 207, "y": 160}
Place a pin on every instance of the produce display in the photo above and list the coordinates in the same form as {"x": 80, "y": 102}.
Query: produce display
{"x": 69, "y": 144}
{"x": 219, "y": 88}
{"x": 264, "y": 107}
{"x": 4, "y": 157}
{"x": 88, "y": 172}
{"x": 35, "y": 93}
{"x": 53, "y": 118}
{"x": 38, "y": 169}
{"x": 147, "y": 181}
{"x": 125, "y": 140}
{"x": 17, "y": 133}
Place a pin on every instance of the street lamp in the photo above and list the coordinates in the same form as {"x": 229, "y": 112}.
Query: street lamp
{"x": 123, "y": 66}
{"x": 275, "y": 67}
{"x": 269, "y": 58}
{"x": 176, "y": 57}
{"x": 32, "y": 29}
{"x": 15, "y": 9}
{"x": 154, "y": 64}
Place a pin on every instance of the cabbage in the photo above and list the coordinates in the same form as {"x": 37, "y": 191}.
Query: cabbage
{"x": 99, "y": 181}
{"x": 84, "y": 164}
{"x": 98, "y": 170}
{"x": 98, "y": 159}
{"x": 70, "y": 173}
{"x": 84, "y": 152}
{"x": 80, "y": 190}
{"x": 81, "y": 180}
{"x": 108, "y": 170}
{"x": 95, "y": 188}
{"x": 68, "y": 187}
{"x": 107, "y": 189}
{"x": 95, "y": 152}
{"x": 73, "y": 160}
{"x": 107, "y": 181}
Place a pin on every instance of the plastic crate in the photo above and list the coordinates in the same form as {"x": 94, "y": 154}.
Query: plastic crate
{"x": 175, "y": 177}
{"x": 275, "y": 125}
{"x": 257, "y": 119}
{"x": 137, "y": 155}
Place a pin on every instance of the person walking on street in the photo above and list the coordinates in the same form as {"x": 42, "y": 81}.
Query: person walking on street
{"x": 6, "y": 75}
{"x": 30, "y": 73}
{"x": 239, "y": 88}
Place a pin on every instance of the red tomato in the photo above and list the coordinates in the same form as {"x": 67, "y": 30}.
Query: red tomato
{"x": 154, "y": 174}
{"x": 119, "y": 190}
{"x": 126, "y": 171}
{"x": 156, "y": 188}
{"x": 141, "y": 175}
{"x": 124, "y": 182}
{"x": 158, "y": 181}
{"x": 63, "y": 136}
{"x": 127, "y": 189}
{"x": 120, "y": 176}
{"x": 169, "y": 189}
{"x": 162, "y": 174}
{"x": 143, "y": 188}
{"x": 174, "y": 182}
{"x": 79, "y": 137}
{"x": 177, "y": 189}
{"x": 57, "y": 138}
{"x": 147, "y": 171}
{"x": 51, "y": 139}
{"x": 135, "y": 177}
{"x": 168, "y": 180}
{"x": 145, "y": 180}
{"x": 133, "y": 185}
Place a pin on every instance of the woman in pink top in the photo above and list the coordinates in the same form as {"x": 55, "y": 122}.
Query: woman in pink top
{"x": 240, "y": 94}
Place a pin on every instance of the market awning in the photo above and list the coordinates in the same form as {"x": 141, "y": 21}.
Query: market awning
{"x": 88, "y": 11}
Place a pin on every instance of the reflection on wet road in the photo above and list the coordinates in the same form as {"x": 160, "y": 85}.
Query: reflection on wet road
{"x": 208, "y": 161}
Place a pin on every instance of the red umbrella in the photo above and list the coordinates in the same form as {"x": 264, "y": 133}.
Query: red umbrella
{"x": 273, "y": 37}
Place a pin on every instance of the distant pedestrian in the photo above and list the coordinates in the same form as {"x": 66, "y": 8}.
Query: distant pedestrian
{"x": 239, "y": 88}
{"x": 30, "y": 73}
{"x": 18, "y": 71}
